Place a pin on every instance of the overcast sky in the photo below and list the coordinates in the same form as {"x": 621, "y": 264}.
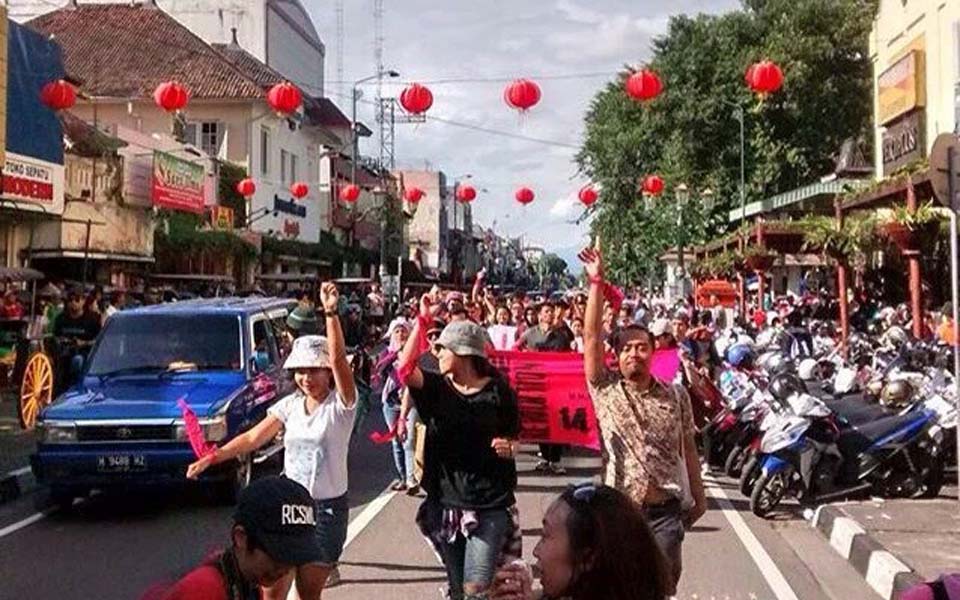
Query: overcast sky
{"x": 428, "y": 40}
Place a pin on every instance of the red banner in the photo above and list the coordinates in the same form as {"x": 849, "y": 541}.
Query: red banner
{"x": 555, "y": 405}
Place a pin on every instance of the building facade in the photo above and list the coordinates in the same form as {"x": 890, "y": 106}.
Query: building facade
{"x": 915, "y": 49}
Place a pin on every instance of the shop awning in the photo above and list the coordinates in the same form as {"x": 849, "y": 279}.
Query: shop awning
{"x": 91, "y": 255}
{"x": 786, "y": 199}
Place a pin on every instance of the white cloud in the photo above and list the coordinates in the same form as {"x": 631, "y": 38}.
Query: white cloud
{"x": 455, "y": 39}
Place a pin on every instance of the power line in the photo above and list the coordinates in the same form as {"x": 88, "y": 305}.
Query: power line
{"x": 505, "y": 79}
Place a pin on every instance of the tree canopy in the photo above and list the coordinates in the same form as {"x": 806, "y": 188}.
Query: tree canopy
{"x": 690, "y": 134}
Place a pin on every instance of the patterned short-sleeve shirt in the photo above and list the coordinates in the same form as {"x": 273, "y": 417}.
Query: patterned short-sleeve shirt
{"x": 641, "y": 432}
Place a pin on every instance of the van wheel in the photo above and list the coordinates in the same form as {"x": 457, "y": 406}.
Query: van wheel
{"x": 227, "y": 490}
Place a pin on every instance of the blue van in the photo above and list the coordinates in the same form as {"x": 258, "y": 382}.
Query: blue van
{"x": 120, "y": 424}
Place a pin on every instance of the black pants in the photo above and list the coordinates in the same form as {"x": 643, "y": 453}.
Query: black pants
{"x": 666, "y": 521}
{"x": 551, "y": 452}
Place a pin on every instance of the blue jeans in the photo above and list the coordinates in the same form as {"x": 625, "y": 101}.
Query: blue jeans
{"x": 473, "y": 560}
{"x": 403, "y": 452}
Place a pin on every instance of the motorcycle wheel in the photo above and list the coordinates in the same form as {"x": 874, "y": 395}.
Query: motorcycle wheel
{"x": 749, "y": 474}
{"x": 932, "y": 482}
{"x": 767, "y": 493}
{"x": 734, "y": 463}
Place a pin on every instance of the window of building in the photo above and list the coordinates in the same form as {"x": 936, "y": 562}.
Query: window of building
{"x": 264, "y": 151}
{"x": 206, "y": 135}
{"x": 293, "y": 168}
{"x": 284, "y": 160}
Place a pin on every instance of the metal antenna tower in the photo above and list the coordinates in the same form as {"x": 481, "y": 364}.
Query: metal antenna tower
{"x": 338, "y": 10}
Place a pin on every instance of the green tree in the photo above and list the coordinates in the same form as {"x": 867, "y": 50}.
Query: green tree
{"x": 689, "y": 133}
{"x": 554, "y": 265}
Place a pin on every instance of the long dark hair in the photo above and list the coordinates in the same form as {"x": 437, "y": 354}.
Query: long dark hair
{"x": 615, "y": 555}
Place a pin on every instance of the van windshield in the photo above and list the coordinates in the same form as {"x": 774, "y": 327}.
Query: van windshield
{"x": 145, "y": 342}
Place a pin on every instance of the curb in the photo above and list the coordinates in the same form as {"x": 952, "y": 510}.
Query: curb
{"x": 15, "y": 483}
{"x": 882, "y": 570}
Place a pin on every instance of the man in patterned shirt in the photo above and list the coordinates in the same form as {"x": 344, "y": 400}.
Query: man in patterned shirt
{"x": 646, "y": 427}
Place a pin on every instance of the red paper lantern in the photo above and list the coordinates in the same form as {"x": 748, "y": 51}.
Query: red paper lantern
{"x": 171, "y": 96}
{"x": 524, "y": 196}
{"x": 246, "y": 187}
{"x": 58, "y": 95}
{"x": 588, "y": 195}
{"x": 522, "y": 94}
{"x": 643, "y": 85}
{"x": 653, "y": 185}
{"x": 299, "y": 190}
{"x": 466, "y": 193}
{"x": 284, "y": 98}
{"x": 413, "y": 195}
{"x": 764, "y": 77}
{"x": 350, "y": 193}
{"x": 416, "y": 99}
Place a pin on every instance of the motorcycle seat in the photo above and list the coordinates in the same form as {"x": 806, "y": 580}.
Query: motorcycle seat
{"x": 860, "y": 437}
{"x": 858, "y": 411}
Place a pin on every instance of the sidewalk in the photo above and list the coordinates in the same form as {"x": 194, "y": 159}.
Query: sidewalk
{"x": 16, "y": 445}
{"x": 896, "y": 543}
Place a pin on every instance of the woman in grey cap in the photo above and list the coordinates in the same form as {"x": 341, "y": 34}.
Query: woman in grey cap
{"x": 317, "y": 421}
{"x": 472, "y": 420}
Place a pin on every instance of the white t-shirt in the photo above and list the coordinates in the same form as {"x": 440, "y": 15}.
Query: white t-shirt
{"x": 315, "y": 446}
{"x": 376, "y": 302}
{"x": 503, "y": 336}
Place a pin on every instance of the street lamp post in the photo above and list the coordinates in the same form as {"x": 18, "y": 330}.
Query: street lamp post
{"x": 682, "y": 194}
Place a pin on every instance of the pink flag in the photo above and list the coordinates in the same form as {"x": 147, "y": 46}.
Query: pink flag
{"x": 664, "y": 364}
{"x": 201, "y": 447}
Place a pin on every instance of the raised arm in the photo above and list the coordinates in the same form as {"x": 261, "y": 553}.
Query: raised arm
{"x": 411, "y": 375}
{"x": 593, "y": 362}
{"x": 342, "y": 375}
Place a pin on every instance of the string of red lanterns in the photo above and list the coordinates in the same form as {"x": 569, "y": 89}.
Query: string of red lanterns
{"x": 643, "y": 85}
{"x": 413, "y": 195}
{"x": 171, "y": 96}
{"x": 653, "y": 185}
{"x": 416, "y": 99}
{"x": 299, "y": 190}
{"x": 522, "y": 94}
{"x": 58, "y": 95}
{"x": 524, "y": 196}
{"x": 284, "y": 98}
{"x": 764, "y": 77}
{"x": 588, "y": 195}
{"x": 246, "y": 187}
{"x": 466, "y": 193}
{"x": 350, "y": 193}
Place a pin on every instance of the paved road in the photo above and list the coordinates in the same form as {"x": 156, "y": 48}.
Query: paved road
{"x": 115, "y": 547}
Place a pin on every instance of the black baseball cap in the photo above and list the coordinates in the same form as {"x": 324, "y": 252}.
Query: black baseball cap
{"x": 280, "y": 514}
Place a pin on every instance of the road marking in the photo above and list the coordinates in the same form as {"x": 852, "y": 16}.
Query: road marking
{"x": 25, "y": 522}
{"x": 771, "y": 573}
{"x": 368, "y": 514}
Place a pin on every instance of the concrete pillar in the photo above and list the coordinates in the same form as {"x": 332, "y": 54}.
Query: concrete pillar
{"x": 913, "y": 262}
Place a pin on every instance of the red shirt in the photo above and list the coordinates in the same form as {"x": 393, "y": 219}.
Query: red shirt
{"x": 759, "y": 317}
{"x": 203, "y": 583}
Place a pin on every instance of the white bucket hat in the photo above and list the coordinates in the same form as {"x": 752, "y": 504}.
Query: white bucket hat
{"x": 309, "y": 352}
{"x": 395, "y": 324}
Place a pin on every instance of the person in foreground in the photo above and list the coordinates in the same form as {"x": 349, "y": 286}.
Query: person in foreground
{"x": 472, "y": 418}
{"x": 596, "y": 545}
{"x": 273, "y": 533}
{"x": 317, "y": 421}
{"x": 646, "y": 427}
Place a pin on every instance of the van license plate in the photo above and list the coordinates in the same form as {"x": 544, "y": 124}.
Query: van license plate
{"x": 121, "y": 463}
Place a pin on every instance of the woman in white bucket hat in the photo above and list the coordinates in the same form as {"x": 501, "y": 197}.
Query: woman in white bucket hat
{"x": 317, "y": 421}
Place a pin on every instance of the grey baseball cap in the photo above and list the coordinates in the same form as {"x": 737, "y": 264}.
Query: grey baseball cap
{"x": 464, "y": 338}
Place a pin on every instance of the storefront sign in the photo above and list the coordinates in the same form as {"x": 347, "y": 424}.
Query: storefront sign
{"x": 177, "y": 183}
{"x": 289, "y": 207}
{"x": 903, "y": 142}
{"x": 221, "y": 218}
{"x": 901, "y": 88}
{"x": 33, "y": 184}
{"x": 291, "y": 228}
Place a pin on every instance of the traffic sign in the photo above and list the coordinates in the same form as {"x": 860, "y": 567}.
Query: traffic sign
{"x": 946, "y": 150}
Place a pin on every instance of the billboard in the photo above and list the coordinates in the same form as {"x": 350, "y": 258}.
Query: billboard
{"x": 177, "y": 183}
{"x": 901, "y": 88}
